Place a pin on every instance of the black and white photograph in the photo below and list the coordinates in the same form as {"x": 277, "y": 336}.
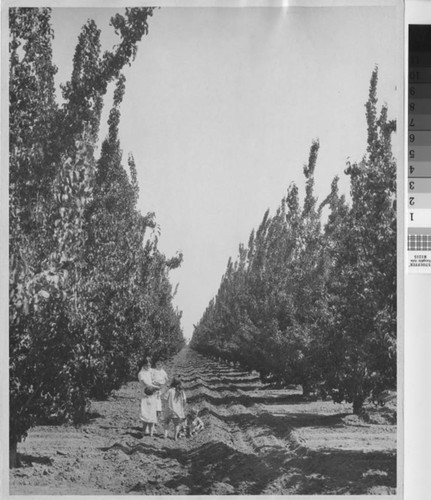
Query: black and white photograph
{"x": 203, "y": 289}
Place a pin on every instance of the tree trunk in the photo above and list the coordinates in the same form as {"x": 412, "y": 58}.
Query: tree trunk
{"x": 13, "y": 456}
{"x": 306, "y": 389}
{"x": 358, "y": 401}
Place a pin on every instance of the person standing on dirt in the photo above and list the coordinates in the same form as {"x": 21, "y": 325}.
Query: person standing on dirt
{"x": 175, "y": 407}
{"x": 148, "y": 413}
{"x": 160, "y": 377}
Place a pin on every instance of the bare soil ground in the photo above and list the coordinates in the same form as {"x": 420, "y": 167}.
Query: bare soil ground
{"x": 257, "y": 440}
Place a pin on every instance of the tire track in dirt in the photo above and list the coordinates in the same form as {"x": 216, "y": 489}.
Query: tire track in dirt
{"x": 257, "y": 440}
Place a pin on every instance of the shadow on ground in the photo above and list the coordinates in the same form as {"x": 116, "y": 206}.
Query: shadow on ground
{"x": 274, "y": 471}
{"x": 279, "y": 425}
{"x": 29, "y": 460}
{"x": 339, "y": 472}
{"x": 247, "y": 400}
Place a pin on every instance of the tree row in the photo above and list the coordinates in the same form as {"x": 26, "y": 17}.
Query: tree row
{"x": 311, "y": 300}
{"x": 90, "y": 293}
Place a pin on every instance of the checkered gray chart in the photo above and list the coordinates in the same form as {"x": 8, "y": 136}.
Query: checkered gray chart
{"x": 419, "y": 242}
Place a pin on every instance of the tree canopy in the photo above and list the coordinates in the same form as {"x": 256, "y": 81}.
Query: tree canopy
{"x": 90, "y": 293}
{"x": 312, "y": 301}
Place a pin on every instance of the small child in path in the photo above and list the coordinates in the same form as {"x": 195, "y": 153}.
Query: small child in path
{"x": 175, "y": 399}
{"x": 194, "y": 423}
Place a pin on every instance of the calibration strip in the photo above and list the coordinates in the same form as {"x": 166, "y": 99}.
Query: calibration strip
{"x": 419, "y": 150}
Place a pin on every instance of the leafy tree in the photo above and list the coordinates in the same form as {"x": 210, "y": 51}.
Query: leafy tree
{"x": 79, "y": 286}
{"x": 317, "y": 306}
{"x": 32, "y": 153}
{"x": 262, "y": 313}
{"x": 363, "y": 277}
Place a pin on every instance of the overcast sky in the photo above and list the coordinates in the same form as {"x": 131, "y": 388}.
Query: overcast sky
{"x": 220, "y": 110}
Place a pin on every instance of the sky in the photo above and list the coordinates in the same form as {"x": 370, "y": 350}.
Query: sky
{"x": 220, "y": 110}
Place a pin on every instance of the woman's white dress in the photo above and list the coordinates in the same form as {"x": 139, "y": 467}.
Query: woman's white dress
{"x": 148, "y": 403}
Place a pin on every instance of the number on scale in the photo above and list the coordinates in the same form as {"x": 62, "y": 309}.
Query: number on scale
{"x": 411, "y": 153}
{"x": 411, "y": 185}
{"x": 411, "y": 169}
{"x": 412, "y": 122}
{"x": 412, "y": 91}
{"x": 412, "y": 106}
{"x": 414, "y": 75}
{"x": 412, "y": 200}
{"x": 412, "y": 137}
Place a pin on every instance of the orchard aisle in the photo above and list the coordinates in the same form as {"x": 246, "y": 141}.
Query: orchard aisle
{"x": 257, "y": 440}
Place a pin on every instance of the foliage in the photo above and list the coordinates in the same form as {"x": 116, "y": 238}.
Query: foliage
{"x": 314, "y": 305}
{"x": 362, "y": 283}
{"x": 87, "y": 297}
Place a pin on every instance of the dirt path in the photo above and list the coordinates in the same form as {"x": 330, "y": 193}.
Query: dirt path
{"x": 257, "y": 441}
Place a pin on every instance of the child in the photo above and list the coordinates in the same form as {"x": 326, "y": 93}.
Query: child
{"x": 175, "y": 399}
{"x": 194, "y": 423}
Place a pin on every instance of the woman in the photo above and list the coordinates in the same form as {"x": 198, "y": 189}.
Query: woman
{"x": 160, "y": 377}
{"x": 148, "y": 401}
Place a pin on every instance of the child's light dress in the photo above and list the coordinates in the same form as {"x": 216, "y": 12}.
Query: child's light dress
{"x": 161, "y": 378}
{"x": 175, "y": 405}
